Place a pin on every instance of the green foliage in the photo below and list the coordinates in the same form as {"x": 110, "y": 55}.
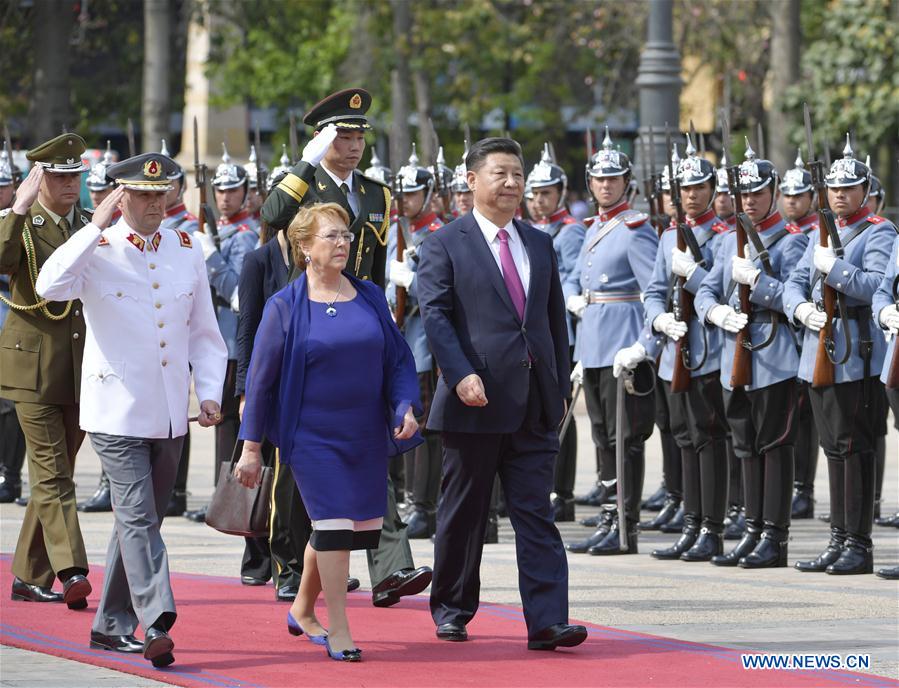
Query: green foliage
{"x": 851, "y": 77}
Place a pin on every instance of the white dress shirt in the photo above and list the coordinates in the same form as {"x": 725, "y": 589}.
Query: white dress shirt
{"x": 351, "y": 194}
{"x": 516, "y": 247}
{"x": 149, "y": 316}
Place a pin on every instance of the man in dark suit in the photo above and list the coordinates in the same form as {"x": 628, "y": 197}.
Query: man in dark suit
{"x": 494, "y": 314}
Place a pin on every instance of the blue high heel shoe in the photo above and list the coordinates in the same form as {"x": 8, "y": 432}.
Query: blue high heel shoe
{"x": 295, "y": 629}
{"x": 354, "y": 655}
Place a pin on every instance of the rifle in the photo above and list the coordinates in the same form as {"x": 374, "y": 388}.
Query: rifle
{"x": 824, "y": 374}
{"x": 402, "y": 229}
{"x": 649, "y": 190}
{"x": 761, "y": 141}
{"x": 132, "y": 151}
{"x": 660, "y": 220}
{"x": 683, "y": 304}
{"x": 892, "y": 381}
{"x": 206, "y": 220}
{"x": 261, "y": 170}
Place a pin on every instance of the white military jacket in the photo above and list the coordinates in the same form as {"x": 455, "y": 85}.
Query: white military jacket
{"x": 149, "y": 317}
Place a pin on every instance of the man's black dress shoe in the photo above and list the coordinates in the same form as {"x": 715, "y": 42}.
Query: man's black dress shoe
{"x": 22, "y": 501}
{"x": 491, "y": 533}
{"x": 557, "y": 635}
{"x": 656, "y": 501}
{"x": 889, "y": 574}
{"x": 399, "y": 584}
{"x": 419, "y": 525}
{"x": 75, "y": 591}
{"x": 453, "y": 631}
{"x": 287, "y": 593}
{"x": 25, "y": 592}
{"x": 197, "y": 515}
{"x": 100, "y": 501}
{"x": 803, "y": 505}
{"x": 252, "y": 580}
{"x": 10, "y": 490}
{"x": 158, "y": 647}
{"x": 666, "y": 513}
{"x": 563, "y": 509}
{"x": 177, "y": 504}
{"x": 676, "y": 523}
{"x": 352, "y": 584}
{"x": 116, "y": 643}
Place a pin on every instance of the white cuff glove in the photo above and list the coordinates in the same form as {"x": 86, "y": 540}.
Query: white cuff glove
{"x": 682, "y": 263}
{"x": 669, "y": 326}
{"x": 824, "y": 258}
{"x": 808, "y": 314}
{"x": 235, "y": 301}
{"x": 889, "y": 319}
{"x": 400, "y": 274}
{"x": 628, "y": 358}
{"x": 206, "y": 243}
{"x": 743, "y": 270}
{"x": 576, "y": 303}
{"x": 727, "y": 318}
{"x": 577, "y": 375}
{"x": 315, "y": 150}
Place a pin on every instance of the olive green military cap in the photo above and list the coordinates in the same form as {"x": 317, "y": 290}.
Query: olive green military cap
{"x": 345, "y": 109}
{"x": 61, "y": 154}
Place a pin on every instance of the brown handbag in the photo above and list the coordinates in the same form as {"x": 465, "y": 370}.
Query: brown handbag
{"x": 239, "y": 510}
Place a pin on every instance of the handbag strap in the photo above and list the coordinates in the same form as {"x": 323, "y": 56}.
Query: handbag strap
{"x": 235, "y": 453}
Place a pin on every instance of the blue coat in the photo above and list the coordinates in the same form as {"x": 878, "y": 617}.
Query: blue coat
{"x": 621, "y": 261}
{"x": 277, "y": 369}
{"x": 857, "y": 275}
{"x": 780, "y": 360}
{"x": 413, "y": 327}
{"x": 473, "y": 327}
{"x": 568, "y": 237}
{"x": 709, "y": 231}
{"x": 884, "y": 297}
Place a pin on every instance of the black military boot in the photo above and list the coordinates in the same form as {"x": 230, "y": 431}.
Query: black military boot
{"x": 656, "y": 501}
{"x": 858, "y": 550}
{"x": 734, "y": 523}
{"x": 590, "y": 499}
{"x": 100, "y": 500}
{"x": 837, "y": 485}
{"x": 676, "y": 523}
{"x": 748, "y": 543}
{"x": 709, "y": 544}
{"x": 177, "y": 504}
{"x": 857, "y": 557}
{"x": 611, "y": 543}
{"x": 668, "y": 512}
{"x": 420, "y": 525}
{"x": 803, "y": 503}
{"x": 196, "y": 515}
{"x": 563, "y": 509}
{"x": 830, "y": 554}
{"x": 598, "y": 536}
{"x": 771, "y": 552}
{"x": 683, "y": 543}
{"x": 10, "y": 488}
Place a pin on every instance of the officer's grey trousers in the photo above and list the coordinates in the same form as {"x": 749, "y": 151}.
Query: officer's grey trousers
{"x": 136, "y": 588}
{"x": 393, "y": 553}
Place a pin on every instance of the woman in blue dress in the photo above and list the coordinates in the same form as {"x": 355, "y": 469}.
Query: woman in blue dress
{"x": 332, "y": 384}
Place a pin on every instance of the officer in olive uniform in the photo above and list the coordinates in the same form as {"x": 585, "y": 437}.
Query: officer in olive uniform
{"x": 334, "y": 179}
{"x": 41, "y": 348}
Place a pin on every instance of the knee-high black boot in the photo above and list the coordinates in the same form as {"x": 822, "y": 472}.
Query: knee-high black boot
{"x": 836, "y": 474}
{"x": 858, "y": 551}
{"x": 634, "y": 467}
{"x": 753, "y": 469}
{"x": 805, "y": 457}
{"x": 692, "y": 507}
{"x": 771, "y": 550}
{"x": 713, "y": 481}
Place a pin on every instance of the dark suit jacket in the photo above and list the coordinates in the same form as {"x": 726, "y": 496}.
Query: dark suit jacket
{"x": 473, "y": 327}
{"x": 263, "y": 274}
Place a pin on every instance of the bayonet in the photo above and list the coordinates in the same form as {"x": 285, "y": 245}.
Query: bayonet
{"x": 132, "y": 150}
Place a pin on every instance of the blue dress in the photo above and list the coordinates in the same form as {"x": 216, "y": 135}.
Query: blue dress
{"x": 339, "y": 455}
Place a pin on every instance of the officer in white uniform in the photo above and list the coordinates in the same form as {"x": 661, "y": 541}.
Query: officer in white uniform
{"x": 150, "y": 323}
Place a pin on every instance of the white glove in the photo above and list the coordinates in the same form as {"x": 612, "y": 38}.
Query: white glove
{"x": 315, "y": 150}
{"x": 743, "y": 270}
{"x": 400, "y": 274}
{"x": 669, "y": 326}
{"x": 577, "y": 375}
{"x": 889, "y": 318}
{"x": 727, "y": 318}
{"x": 235, "y": 300}
{"x": 824, "y": 258}
{"x": 576, "y": 303}
{"x": 206, "y": 243}
{"x": 808, "y": 314}
{"x": 682, "y": 263}
{"x": 410, "y": 254}
{"x": 628, "y": 358}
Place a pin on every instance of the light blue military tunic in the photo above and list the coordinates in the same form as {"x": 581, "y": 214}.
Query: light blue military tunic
{"x": 857, "y": 275}
{"x": 238, "y": 235}
{"x": 614, "y": 266}
{"x": 779, "y": 360}
{"x": 568, "y": 237}
{"x": 883, "y": 297}
{"x": 709, "y": 231}
{"x": 413, "y": 327}
{"x": 180, "y": 219}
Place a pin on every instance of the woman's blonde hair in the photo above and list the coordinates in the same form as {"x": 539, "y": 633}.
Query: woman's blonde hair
{"x": 305, "y": 224}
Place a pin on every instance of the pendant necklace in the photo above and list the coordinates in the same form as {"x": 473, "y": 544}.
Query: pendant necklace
{"x": 330, "y": 311}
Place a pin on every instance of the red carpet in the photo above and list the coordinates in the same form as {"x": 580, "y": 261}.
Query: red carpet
{"x": 231, "y": 635}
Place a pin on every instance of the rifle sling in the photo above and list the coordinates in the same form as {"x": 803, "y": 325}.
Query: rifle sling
{"x": 767, "y": 241}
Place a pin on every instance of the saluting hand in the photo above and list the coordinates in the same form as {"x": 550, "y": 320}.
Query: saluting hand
{"x": 27, "y": 192}
{"x": 410, "y": 425}
{"x": 471, "y": 390}
{"x": 103, "y": 213}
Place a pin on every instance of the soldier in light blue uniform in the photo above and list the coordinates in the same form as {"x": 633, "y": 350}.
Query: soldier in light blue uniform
{"x": 423, "y": 464}
{"x": 238, "y": 234}
{"x": 762, "y": 414}
{"x": 846, "y": 412}
{"x": 604, "y": 291}
{"x": 697, "y": 415}
{"x": 546, "y": 189}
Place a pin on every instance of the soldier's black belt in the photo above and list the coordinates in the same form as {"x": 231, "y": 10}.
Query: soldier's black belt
{"x": 766, "y": 317}
{"x": 854, "y": 313}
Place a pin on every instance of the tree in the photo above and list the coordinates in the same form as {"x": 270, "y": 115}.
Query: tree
{"x": 157, "y": 53}
{"x": 784, "y": 72}
{"x": 50, "y": 109}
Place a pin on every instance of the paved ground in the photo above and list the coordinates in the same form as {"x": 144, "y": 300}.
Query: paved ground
{"x": 772, "y": 611}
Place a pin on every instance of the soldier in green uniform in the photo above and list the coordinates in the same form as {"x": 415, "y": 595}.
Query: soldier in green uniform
{"x": 333, "y": 178}
{"x": 41, "y": 347}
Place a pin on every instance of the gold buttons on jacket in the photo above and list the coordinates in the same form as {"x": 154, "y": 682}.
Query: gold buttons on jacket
{"x": 164, "y": 363}
{"x": 161, "y": 325}
{"x": 152, "y": 266}
{"x": 156, "y": 285}
{"x": 157, "y": 304}
{"x": 161, "y": 345}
